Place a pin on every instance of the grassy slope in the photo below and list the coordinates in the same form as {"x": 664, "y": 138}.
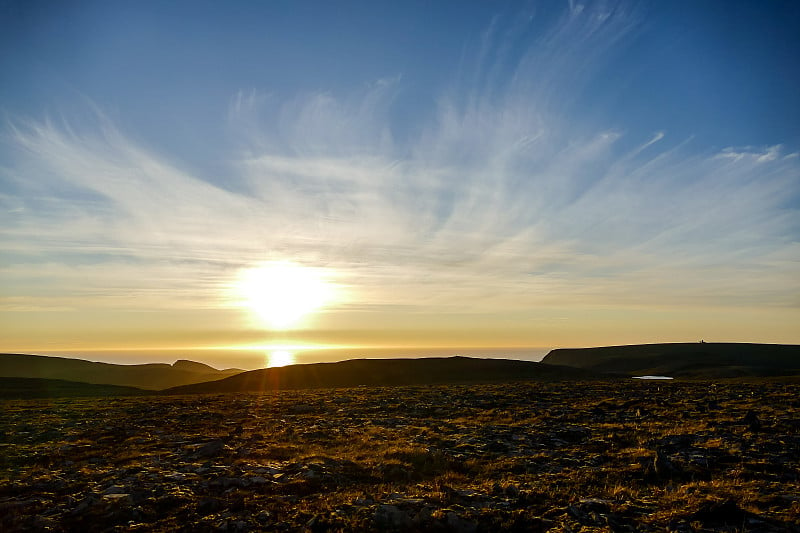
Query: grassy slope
{"x": 24, "y": 388}
{"x": 711, "y": 360}
{"x": 384, "y": 372}
{"x": 146, "y": 376}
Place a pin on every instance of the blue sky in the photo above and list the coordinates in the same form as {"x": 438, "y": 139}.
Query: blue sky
{"x": 524, "y": 170}
{"x": 725, "y": 71}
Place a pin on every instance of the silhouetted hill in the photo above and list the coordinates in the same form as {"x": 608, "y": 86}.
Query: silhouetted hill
{"x": 145, "y": 376}
{"x": 699, "y": 360}
{"x": 193, "y": 366}
{"x": 26, "y": 388}
{"x": 386, "y": 372}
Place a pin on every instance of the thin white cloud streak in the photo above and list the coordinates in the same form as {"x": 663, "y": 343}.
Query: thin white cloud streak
{"x": 501, "y": 203}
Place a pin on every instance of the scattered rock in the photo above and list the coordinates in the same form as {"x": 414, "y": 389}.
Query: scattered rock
{"x": 752, "y": 421}
{"x": 208, "y": 506}
{"x": 459, "y": 525}
{"x": 301, "y": 409}
{"x": 391, "y": 517}
{"x": 115, "y": 489}
{"x": 590, "y": 511}
{"x": 664, "y": 467}
{"x": 209, "y": 449}
{"x": 721, "y": 513}
{"x": 85, "y": 504}
{"x": 497, "y": 457}
{"x": 118, "y": 498}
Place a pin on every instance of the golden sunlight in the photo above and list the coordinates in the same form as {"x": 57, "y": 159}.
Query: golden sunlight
{"x": 283, "y": 293}
{"x": 280, "y": 358}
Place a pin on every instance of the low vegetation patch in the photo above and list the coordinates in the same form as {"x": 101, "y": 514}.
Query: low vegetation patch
{"x": 589, "y": 456}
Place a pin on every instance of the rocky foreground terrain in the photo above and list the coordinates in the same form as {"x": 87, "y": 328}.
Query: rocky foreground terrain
{"x": 591, "y": 456}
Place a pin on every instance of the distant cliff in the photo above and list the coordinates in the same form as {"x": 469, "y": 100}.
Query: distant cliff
{"x": 710, "y": 360}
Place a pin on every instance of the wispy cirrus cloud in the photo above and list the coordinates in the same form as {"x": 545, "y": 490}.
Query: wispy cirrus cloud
{"x": 503, "y": 199}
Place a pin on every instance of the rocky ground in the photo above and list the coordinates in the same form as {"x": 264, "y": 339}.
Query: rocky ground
{"x": 616, "y": 456}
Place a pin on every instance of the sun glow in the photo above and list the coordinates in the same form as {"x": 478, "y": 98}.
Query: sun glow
{"x": 280, "y": 358}
{"x": 283, "y": 293}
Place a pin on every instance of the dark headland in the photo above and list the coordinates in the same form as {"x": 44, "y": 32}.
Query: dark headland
{"x": 685, "y": 360}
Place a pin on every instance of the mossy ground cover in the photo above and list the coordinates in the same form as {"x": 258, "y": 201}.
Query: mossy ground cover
{"x": 594, "y": 456}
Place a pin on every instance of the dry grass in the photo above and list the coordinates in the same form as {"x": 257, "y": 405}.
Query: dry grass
{"x": 526, "y": 457}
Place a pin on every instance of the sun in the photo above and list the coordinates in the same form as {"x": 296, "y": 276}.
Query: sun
{"x": 283, "y": 293}
{"x": 280, "y": 358}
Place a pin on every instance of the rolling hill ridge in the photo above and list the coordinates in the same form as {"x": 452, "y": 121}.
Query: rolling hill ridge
{"x": 27, "y": 388}
{"x": 152, "y": 376}
{"x": 388, "y": 372}
{"x": 29, "y": 376}
{"x": 689, "y": 360}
